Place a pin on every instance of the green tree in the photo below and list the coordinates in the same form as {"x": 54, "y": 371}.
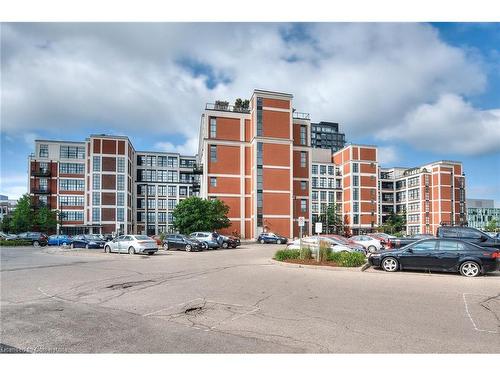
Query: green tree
{"x": 22, "y": 216}
{"x": 240, "y": 104}
{"x": 196, "y": 214}
{"x": 5, "y": 224}
{"x": 332, "y": 220}
{"x": 46, "y": 219}
{"x": 395, "y": 223}
{"x": 492, "y": 226}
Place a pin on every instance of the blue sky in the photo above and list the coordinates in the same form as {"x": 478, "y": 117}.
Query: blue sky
{"x": 422, "y": 92}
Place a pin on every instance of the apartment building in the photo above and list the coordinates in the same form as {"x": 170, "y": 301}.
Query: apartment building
{"x": 101, "y": 185}
{"x": 257, "y": 161}
{"x": 429, "y": 195}
{"x": 327, "y": 135}
{"x": 480, "y": 212}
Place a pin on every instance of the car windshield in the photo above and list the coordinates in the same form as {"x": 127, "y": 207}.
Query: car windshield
{"x": 142, "y": 238}
{"x": 95, "y": 237}
{"x": 341, "y": 240}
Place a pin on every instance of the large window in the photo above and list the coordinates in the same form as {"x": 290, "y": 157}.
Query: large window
{"x": 172, "y": 176}
{"x": 72, "y": 152}
{"x": 162, "y": 204}
{"x": 71, "y": 201}
{"x": 213, "y": 127}
{"x": 303, "y": 205}
{"x": 172, "y": 162}
{"x": 71, "y": 168}
{"x": 303, "y": 159}
{"x": 322, "y": 169}
{"x": 355, "y": 167}
{"x": 120, "y": 182}
{"x": 171, "y": 204}
{"x": 71, "y": 215}
{"x": 303, "y": 134}
{"x": 213, "y": 153}
{"x": 162, "y": 217}
{"x": 96, "y": 214}
{"x": 355, "y": 180}
{"x": 96, "y": 163}
{"x": 96, "y": 199}
{"x": 172, "y": 191}
{"x": 96, "y": 181}
{"x": 259, "y": 117}
{"x": 314, "y": 169}
{"x": 120, "y": 199}
{"x": 120, "y": 214}
{"x": 121, "y": 165}
{"x": 71, "y": 185}
{"x": 44, "y": 151}
{"x": 151, "y": 204}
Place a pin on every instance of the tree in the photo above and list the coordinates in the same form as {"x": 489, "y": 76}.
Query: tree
{"x": 196, "y": 214}
{"x": 492, "y": 226}
{"x": 241, "y": 104}
{"x": 5, "y": 224}
{"x": 22, "y": 215}
{"x": 46, "y": 219}
{"x": 395, "y": 223}
{"x": 332, "y": 220}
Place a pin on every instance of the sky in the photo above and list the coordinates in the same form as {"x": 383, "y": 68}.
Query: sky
{"x": 422, "y": 92}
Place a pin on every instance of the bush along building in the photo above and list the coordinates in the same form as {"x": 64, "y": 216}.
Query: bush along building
{"x": 103, "y": 185}
{"x": 265, "y": 164}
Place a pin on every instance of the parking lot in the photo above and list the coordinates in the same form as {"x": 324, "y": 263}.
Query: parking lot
{"x": 236, "y": 301}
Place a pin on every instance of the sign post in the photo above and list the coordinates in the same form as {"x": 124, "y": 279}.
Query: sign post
{"x": 302, "y": 221}
{"x": 318, "y": 228}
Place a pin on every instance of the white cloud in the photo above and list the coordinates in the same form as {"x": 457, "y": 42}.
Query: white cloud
{"x": 450, "y": 125}
{"x": 370, "y": 77}
{"x": 13, "y": 185}
{"x": 387, "y": 155}
{"x": 190, "y": 147}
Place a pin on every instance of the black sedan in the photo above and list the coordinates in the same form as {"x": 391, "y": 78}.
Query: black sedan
{"x": 440, "y": 255}
{"x": 88, "y": 241}
{"x": 228, "y": 241}
{"x": 271, "y": 238}
{"x": 37, "y": 239}
{"x": 181, "y": 242}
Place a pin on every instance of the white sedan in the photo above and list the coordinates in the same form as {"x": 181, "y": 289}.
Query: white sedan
{"x": 313, "y": 243}
{"x": 132, "y": 244}
{"x": 369, "y": 243}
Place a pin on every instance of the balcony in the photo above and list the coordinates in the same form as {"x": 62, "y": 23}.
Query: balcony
{"x": 225, "y": 107}
{"x": 198, "y": 169}
{"x": 301, "y": 115}
{"x": 40, "y": 172}
{"x": 40, "y": 190}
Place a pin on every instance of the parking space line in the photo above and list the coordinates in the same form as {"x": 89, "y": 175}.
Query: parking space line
{"x": 470, "y": 317}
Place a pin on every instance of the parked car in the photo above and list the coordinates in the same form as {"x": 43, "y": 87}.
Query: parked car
{"x": 472, "y": 235}
{"x": 228, "y": 241}
{"x": 271, "y": 238}
{"x": 370, "y": 244}
{"x": 403, "y": 241}
{"x": 7, "y": 237}
{"x": 37, "y": 239}
{"x": 207, "y": 238}
{"x": 88, "y": 241}
{"x": 448, "y": 255}
{"x": 59, "y": 239}
{"x": 313, "y": 243}
{"x": 181, "y": 242}
{"x": 132, "y": 244}
{"x": 346, "y": 241}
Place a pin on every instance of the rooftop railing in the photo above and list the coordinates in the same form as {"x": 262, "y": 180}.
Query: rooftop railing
{"x": 301, "y": 115}
{"x": 226, "y": 108}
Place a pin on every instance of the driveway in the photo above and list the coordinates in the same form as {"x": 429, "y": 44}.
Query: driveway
{"x": 235, "y": 301}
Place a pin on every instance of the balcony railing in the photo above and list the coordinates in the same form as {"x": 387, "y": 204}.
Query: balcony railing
{"x": 40, "y": 172}
{"x": 301, "y": 115}
{"x": 39, "y": 190}
{"x": 226, "y": 108}
{"x": 198, "y": 169}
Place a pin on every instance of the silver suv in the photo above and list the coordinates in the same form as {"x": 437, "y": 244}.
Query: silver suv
{"x": 207, "y": 238}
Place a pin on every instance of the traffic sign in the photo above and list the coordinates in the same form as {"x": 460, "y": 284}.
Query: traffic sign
{"x": 302, "y": 221}
{"x": 318, "y": 227}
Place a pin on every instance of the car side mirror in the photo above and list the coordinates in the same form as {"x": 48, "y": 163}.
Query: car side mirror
{"x": 409, "y": 251}
{"x": 483, "y": 238}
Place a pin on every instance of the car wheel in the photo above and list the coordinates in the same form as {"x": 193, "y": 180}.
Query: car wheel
{"x": 470, "y": 269}
{"x": 165, "y": 246}
{"x": 225, "y": 245}
{"x": 131, "y": 250}
{"x": 107, "y": 249}
{"x": 188, "y": 247}
{"x": 390, "y": 264}
{"x": 278, "y": 242}
{"x": 36, "y": 244}
{"x": 151, "y": 253}
{"x": 87, "y": 246}
{"x": 72, "y": 246}
{"x": 372, "y": 249}
{"x": 262, "y": 242}
{"x": 205, "y": 245}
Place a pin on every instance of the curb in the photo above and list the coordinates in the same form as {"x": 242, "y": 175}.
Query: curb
{"x": 365, "y": 267}
{"x": 326, "y": 268}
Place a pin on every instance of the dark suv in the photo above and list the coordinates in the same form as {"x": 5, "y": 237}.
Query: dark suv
{"x": 471, "y": 235}
{"x": 36, "y": 238}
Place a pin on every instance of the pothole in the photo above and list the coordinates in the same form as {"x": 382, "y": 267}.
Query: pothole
{"x": 193, "y": 310}
{"x": 128, "y": 284}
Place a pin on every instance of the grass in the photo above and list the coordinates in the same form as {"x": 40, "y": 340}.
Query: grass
{"x": 12, "y": 243}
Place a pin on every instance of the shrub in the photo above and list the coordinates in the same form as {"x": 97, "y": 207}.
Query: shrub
{"x": 345, "y": 259}
{"x": 11, "y": 243}
{"x": 305, "y": 253}
{"x": 324, "y": 251}
{"x": 287, "y": 254}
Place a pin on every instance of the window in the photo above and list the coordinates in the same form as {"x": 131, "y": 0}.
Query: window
{"x": 470, "y": 233}
{"x": 151, "y": 161}
{"x": 72, "y": 152}
{"x": 162, "y": 176}
{"x": 331, "y": 196}
{"x": 314, "y": 195}
{"x": 355, "y": 180}
{"x": 331, "y": 183}
{"x": 172, "y": 191}
{"x": 303, "y": 159}
{"x": 303, "y": 185}
{"x": 170, "y": 217}
{"x": 355, "y": 219}
{"x": 182, "y": 191}
{"x": 120, "y": 214}
{"x": 259, "y": 117}
{"x": 71, "y": 185}
{"x": 172, "y": 162}
{"x": 260, "y": 149}
{"x": 162, "y": 190}
{"x": 120, "y": 182}
{"x": 303, "y": 135}
{"x": 96, "y": 163}
{"x": 322, "y": 169}
{"x": 423, "y": 247}
{"x": 96, "y": 214}
{"x": 315, "y": 207}
{"x": 96, "y": 199}
{"x": 151, "y": 217}
{"x": 71, "y": 201}
{"x": 314, "y": 169}
{"x": 450, "y": 246}
{"x": 71, "y": 215}
{"x": 151, "y": 204}
{"x": 162, "y": 204}
{"x": 162, "y": 218}
{"x": 120, "y": 199}
{"x": 260, "y": 181}
{"x": 355, "y": 194}
{"x": 355, "y": 206}
{"x": 44, "y": 151}
{"x": 213, "y": 181}
{"x": 121, "y": 165}
{"x": 330, "y": 170}
{"x": 355, "y": 167}
{"x": 303, "y": 205}
{"x": 151, "y": 190}
{"x": 322, "y": 182}
{"x": 213, "y": 127}
{"x": 323, "y": 195}
{"x": 172, "y": 176}
{"x": 171, "y": 204}
{"x": 96, "y": 181}
{"x": 213, "y": 153}
{"x": 315, "y": 182}
{"x": 71, "y": 168}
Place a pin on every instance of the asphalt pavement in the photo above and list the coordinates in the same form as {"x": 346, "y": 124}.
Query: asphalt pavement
{"x": 235, "y": 301}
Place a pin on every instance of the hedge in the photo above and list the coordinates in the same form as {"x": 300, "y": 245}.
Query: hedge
{"x": 286, "y": 254}
{"x": 345, "y": 259}
{"x": 12, "y": 243}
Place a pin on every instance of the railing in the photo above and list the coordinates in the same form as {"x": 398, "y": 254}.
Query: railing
{"x": 198, "y": 169}
{"x": 226, "y": 108}
{"x": 301, "y": 115}
{"x": 38, "y": 190}
{"x": 40, "y": 172}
